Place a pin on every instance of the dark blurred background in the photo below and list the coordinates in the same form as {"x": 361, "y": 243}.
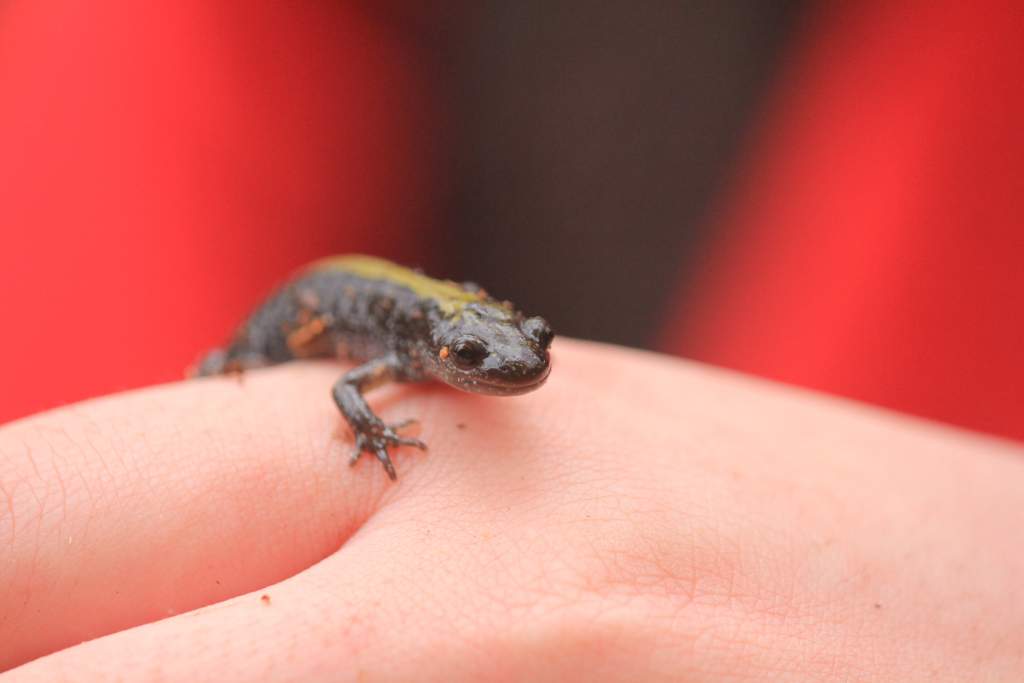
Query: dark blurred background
{"x": 591, "y": 139}
{"x": 827, "y": 194}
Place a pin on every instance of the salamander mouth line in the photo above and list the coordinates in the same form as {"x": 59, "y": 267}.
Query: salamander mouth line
{"x": 499, "y": 389}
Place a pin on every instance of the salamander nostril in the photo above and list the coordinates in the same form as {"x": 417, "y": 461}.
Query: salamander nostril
{"x": 537, "y": 329}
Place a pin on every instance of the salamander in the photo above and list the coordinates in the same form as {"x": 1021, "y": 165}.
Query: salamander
{"x": 401, "y": 326}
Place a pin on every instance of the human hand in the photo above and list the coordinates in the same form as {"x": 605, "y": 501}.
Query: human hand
{"x": 638, "y": 518}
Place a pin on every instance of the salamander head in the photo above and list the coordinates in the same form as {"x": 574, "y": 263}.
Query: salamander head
{"x": 492, "y": 349}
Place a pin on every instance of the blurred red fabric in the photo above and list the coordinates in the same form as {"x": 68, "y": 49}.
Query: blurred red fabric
{"x": 163, "y": 161}
{"x": 873, "y": 245}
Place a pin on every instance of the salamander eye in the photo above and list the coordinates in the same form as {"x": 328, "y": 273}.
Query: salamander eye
{"x": 539, "y": 331}
{"x": 468, "y": 353}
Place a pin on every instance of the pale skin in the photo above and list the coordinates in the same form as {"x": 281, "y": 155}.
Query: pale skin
{"x": 638, "y": 518}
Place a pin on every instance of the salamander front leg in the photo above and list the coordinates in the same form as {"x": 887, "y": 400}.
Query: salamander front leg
{"x": 372, "y": 434}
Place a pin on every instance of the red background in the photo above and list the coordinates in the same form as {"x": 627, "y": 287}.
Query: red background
{"x": 874, "y": 246}
{"x": 162, "y": 164}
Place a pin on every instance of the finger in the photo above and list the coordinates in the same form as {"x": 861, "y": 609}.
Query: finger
{"x": 131, "y": 508}
{"x": 435, "y": 572}
{"x": 353, "y": 619}
{"x": 415, "y": 595}
{"x": 249, "y": 492}
{"x": 551, "y": 563}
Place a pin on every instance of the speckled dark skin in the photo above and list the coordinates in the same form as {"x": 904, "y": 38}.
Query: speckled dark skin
{"x": 402, "y": 326}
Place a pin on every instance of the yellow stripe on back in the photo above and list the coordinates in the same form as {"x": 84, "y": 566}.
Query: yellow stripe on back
{"x": 449, "y": 296}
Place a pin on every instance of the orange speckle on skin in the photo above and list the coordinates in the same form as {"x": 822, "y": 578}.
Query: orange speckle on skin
{"x": 443, "y": 353}
{"x": 305, "y": 334}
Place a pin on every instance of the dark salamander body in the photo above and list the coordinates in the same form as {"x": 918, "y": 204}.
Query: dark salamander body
{"x": 403, "y": 326}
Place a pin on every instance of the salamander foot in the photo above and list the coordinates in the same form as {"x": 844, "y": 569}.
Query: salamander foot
{"x": 377, "y": 437}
